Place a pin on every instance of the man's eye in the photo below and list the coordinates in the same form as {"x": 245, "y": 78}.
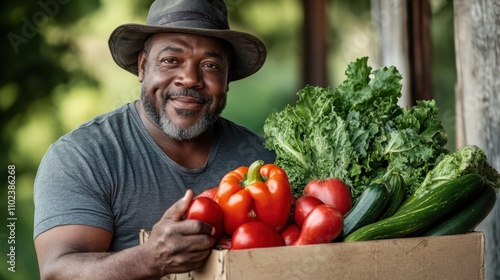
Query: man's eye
{"x": 212, "y": 65}
{"x": 168, "y": 60}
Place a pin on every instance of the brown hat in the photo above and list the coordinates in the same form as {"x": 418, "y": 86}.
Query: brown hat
{"x": 201, "y": 17}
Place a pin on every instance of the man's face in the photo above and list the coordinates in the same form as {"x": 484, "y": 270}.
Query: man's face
{"x": 184, "y": 82}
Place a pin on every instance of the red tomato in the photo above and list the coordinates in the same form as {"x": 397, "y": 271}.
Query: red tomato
{"x": 290, "y": 233}
{"x": 206, "y": 210}
{"x": 331, "y": 191}
{"x": 210, "y": 193}
{"x": 303, "y": 206}
{"x": 255, "y": 234}
{"x": 322, "y": 225}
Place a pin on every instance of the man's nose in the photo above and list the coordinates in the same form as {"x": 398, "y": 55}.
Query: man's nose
{"x": 189, "y": 76}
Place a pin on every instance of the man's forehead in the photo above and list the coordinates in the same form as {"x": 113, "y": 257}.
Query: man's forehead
{"x": 189, "y": 43}
{"x": 188, "y": 39}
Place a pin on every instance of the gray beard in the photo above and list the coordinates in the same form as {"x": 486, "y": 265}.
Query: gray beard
{"x": 177, "y": 132}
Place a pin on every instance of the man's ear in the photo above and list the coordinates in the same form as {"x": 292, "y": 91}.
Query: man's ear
{"x": 141, "y": 64}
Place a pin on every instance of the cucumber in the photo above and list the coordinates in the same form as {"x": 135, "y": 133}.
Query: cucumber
{"x": 397, "y": 190}
{"x": 370, "y": 205}
{"x": 467, "y": 218}
{"x": 422, "y": 211}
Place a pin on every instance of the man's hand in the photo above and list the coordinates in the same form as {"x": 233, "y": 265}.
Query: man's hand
{"x": 179, "y": 245}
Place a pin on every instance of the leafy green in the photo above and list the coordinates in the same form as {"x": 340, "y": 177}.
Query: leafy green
{"x": 466, "y": 160}
{"x": 356, "y": 132}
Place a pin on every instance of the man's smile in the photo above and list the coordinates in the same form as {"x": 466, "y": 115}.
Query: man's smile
{"x": 186, "y": 103}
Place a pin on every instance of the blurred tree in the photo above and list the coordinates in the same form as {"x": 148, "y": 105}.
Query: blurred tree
{"x": 32, "y": 66}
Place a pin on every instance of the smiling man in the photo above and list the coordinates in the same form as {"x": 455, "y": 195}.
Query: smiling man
{"x": 139, "y": 166}
{"x": 185, "y": 81}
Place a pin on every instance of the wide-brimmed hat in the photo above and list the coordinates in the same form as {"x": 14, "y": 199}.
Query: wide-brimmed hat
{"x": 202, "y": 17}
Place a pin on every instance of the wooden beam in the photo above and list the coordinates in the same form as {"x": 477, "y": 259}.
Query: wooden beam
{"x": 314, "y": 43}
{"x": 419, "y": 14}
{"x": 477, "y": 50}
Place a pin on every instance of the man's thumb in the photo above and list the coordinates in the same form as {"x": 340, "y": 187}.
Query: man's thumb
{"x": 179, "y": 208}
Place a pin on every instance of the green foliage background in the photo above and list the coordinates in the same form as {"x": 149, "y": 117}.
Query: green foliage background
{"x": 57, "y": 73}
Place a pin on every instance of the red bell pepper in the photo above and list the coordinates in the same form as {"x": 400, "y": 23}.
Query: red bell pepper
{"x": 255, "y": 193}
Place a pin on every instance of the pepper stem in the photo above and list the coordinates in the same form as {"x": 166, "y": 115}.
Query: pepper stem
{"x": 253, "y": 174}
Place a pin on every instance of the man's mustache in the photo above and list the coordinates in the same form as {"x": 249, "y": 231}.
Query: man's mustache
{"x": 193, "y": 93}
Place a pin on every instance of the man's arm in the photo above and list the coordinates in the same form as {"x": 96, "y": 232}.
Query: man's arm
{"x": 80, "y": 252}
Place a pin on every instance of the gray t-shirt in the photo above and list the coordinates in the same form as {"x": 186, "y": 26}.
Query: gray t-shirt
{"x": 109, "y": 173}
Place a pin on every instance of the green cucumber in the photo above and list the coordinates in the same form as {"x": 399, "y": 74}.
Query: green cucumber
{"x": 422, "y": 211}
{"x": 370, "y": 205}
{"x": 397, "y": 190}
{"x": 467, "y": 218}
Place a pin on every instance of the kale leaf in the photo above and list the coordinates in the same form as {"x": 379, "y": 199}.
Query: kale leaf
{"x": 356, "y": 132}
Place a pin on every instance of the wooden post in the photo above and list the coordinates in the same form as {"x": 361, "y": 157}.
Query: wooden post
{"x": 419, "y": 14}
{"x": 315, "y": 44}
{"x": 477, "y": 47}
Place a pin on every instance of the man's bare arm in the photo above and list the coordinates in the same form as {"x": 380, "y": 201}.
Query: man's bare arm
{"x": 80, "y": 252}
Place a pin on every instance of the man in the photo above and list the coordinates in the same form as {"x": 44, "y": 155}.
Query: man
{"x": 139, "y": 166}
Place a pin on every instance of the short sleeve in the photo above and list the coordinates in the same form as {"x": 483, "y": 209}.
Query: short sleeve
{"x": 70, "y": 188}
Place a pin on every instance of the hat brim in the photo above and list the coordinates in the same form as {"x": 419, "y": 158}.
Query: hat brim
{"x": 127, "y": 40}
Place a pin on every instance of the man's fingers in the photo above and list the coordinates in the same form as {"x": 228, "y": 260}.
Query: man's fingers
{"x": 179, "y": 208}
{"x": 196, "y": 227}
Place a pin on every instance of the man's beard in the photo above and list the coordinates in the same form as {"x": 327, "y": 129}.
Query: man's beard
{"x": 177, "y": 132}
